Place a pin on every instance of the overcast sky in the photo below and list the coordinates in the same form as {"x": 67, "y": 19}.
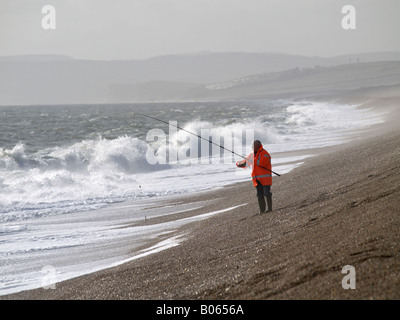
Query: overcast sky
{"x": 138, "y": 29}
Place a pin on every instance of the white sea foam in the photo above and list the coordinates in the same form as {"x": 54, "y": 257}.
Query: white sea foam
{"x": 74, "y": 247}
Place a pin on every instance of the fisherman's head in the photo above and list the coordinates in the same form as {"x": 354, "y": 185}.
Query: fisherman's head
{"x": 256, "y": 145}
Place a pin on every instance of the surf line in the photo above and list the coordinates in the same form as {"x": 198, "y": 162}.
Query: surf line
{"x": 196, "y": 135}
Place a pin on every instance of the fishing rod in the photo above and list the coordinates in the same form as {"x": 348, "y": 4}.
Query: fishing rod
{"x": 208, "y": 140}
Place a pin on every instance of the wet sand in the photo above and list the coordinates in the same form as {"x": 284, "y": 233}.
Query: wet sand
{"x": 340, "y": 208}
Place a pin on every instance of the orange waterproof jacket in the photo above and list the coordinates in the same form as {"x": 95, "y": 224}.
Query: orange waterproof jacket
{"x": 261, "y": 163}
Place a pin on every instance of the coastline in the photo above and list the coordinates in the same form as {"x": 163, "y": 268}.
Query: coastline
{"x": 339, "y": 208}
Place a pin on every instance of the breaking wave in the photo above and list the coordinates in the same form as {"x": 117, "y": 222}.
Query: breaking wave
{"x": 91, "y": 172}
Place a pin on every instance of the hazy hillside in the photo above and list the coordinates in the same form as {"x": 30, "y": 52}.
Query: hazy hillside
{"x": 53, "y": 79}
{"x": 305, "y": 82}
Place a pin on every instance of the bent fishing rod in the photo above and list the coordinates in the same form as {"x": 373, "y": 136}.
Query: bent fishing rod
{"x": 208, "y": 140}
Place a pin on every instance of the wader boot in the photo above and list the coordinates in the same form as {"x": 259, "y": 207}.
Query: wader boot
{"x": 261, "y": 204}
{"x": 269, "y": 202}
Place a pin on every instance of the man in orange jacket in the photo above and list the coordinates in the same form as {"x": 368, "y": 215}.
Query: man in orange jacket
{"x": 261, "y": 174}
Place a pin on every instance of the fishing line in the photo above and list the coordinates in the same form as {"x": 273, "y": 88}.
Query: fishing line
{"x": 194, "y": 134}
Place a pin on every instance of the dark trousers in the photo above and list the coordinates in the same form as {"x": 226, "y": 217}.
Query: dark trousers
{"x": 262, "y": 193}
